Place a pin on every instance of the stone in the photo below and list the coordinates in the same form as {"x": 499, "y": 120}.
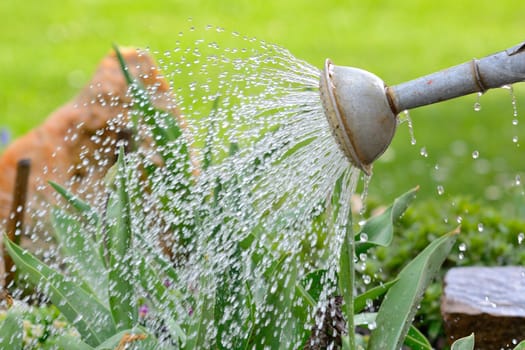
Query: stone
{"x": 76, "y": 144}
{"x": 486, "y": 301}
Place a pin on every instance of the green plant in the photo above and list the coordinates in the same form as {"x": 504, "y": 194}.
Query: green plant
{"x": 488, "y": 237}
{"x": 121, "y": 290}
{"x": 32, "y": 327}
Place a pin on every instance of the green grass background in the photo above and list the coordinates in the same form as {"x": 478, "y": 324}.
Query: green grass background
{"x": 49, "y": 49}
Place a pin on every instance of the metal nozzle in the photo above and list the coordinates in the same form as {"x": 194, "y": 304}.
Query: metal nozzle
{"x": 361, "y": 109}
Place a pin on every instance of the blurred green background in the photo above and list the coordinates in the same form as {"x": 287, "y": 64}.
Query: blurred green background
{"x": 49, "y": 49}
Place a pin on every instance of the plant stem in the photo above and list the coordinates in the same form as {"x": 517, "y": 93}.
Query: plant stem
{"x": 346, "y": 278}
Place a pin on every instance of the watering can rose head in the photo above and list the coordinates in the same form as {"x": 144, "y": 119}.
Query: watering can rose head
{"x": 361, "y": 109}
{"x": 358, "y": 112}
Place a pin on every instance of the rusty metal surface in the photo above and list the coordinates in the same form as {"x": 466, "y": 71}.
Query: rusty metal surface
{"x": 478, "y": 75}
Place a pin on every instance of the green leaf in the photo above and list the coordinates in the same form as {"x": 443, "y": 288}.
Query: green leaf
{"x": 121, "y": 274}
{"x": 67, "y": 342}
{"x": 520, "y": 346}
{"x": 165, "y": 127}
{"x": 123, "y": 65}
{"x": 78, "y": 246}
{"x": 313, "y": 284}
{"x": 198, "y": 335}
{"x": 230, "y": 303}
{"x": 380, "y": 229}
{"x": 346, "y": 277}
{"x": 81, "y": 206}
{"x": 86, "y": 210}
{"x": 371, "y": 294}
{"x": 277, "y": 325}
{"x": 400, "y": 303}
{"x": 12, "y": 331}
{"x": 161, "y": 296}
{"x": 208, "y": 157}
{"x": 365, "y": 319}
{"x": 415, "y": 340}
{"x": 82, "y": 309}
{"x": 252, "y": 314}
{"x": 466, "y": 343}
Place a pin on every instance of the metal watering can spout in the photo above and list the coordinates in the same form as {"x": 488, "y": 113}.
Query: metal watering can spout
{"x": 361, "y": 109}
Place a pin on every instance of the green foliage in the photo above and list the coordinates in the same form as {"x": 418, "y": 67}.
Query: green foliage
{"x": 81, "y": 308}
{"x": 400, "y": 305}
{"x": 11, "y": 331}
{"x": 122, "y": 300}
{"x": 489, "y": 237}
{"x": 271, "y": 313}
{"x": 379, "y": 230}
{"x": 466, "y": 343}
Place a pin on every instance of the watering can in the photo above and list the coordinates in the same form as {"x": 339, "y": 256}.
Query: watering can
{"x": 361, "y": 109}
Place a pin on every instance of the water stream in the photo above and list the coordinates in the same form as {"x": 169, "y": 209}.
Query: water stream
{"x": 265, "y": 166}
{"x": 265, "y": 102}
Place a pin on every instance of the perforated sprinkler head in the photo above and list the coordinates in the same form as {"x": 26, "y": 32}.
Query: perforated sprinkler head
{"x": 361, "y": 109}
{"x": 358, "y": 112}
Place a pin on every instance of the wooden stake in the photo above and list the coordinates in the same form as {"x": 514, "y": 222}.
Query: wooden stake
{"x": 16, "y": 215}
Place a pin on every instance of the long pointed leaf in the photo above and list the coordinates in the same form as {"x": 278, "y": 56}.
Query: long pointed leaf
{"x": 81, "y": 206}
{"x": 165, "y": 127}
{"x": 371, "y": 294}
{"x": 379, "y": 230}
{"x": 82, "y": 309}
{"x": 277, "y": 325}
{"x": 198, "y": 336}
{"x": 231, "y": 321}
{"x": 81, "y": 249}
{"x": 162, "y": 297}
{"x": 415, "y": 340}
{"x": 400, "y": 304}
{"x": 121, "y": 274}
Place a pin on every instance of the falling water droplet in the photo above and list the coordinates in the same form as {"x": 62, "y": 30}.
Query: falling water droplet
{"x": 364, "y": 194}
{"x": 475, "y": 154}
{"x": 513, "y": 101}
{"x": 477, "y": 104}
{"x": 521, "y": 237}
{"x": 462, "y": 247}
{"x": 423, "y": 152}
{"x": 480, "y": 227}
{"x": 363, "y": 237}
{"x": 515, "y": 139}
{"x": 517, "y": 180}
{"x": 367, "y": 279}
{"x": 440, "y": 190}
{"x": 410, "y": 128}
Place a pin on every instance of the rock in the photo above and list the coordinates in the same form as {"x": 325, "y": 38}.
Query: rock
{"x": 486, "y": 301}
{"x": 76, "y": 144}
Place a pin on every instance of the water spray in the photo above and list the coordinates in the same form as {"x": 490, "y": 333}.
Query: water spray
{"x": 361, "y": 109}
